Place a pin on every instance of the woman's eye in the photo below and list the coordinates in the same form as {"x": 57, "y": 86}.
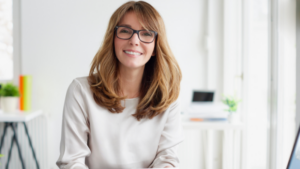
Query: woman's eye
{"x": 147, "y": 34}
{"x": 124, "y": 31}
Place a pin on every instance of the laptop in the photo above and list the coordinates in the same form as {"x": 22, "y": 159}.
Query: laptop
{"x": 203, "y": 96}
{"x": 294, "y": 162}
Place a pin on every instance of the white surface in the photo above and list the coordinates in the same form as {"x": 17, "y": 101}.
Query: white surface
{"x": 206, "y": 110}
{"x": 213, "y": 125}
{"x": 9, "y": 104}
{"x": 298, "y": 67}
{"x": 214, "y": 107}
{"x": 19, "y": 116}
{"x": 208, "y": 115}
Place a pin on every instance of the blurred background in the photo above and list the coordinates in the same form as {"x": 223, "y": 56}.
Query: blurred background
{"x": 245, "y": 48}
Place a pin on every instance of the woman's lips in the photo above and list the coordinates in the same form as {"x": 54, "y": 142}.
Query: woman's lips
{"x": 131, "y": 50}
{"x": 132, "y": 53}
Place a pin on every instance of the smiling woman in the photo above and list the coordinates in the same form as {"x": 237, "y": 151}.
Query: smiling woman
{"x": 128, "y": 49}
{"x": 158, "y": 71}
{"x": 125, "y": 114}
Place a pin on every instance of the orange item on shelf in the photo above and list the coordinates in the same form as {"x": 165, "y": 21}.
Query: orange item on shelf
{"x": 196, "y": 119}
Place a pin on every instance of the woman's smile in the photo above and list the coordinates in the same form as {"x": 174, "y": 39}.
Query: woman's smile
{"x": 132, "y": 53}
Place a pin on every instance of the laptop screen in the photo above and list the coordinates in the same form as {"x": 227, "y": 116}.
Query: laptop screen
{"x": 294, "y": 162}
{"x": 203, "y": 96}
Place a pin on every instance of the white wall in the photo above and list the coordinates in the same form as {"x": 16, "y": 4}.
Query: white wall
{"x": 298, "y": 63}
{"x": 60, "y": 38}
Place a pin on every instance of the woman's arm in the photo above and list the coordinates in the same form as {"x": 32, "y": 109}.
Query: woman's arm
{"x": 75, "y": 130}
{"x": 171, "y": 136}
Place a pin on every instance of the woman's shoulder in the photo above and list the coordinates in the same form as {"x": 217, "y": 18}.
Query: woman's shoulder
{"x": 174, "y": 107}
{"x": 82, "y": 81}
{"x": 79, "y": 85}
{"x": 175, "y": 103}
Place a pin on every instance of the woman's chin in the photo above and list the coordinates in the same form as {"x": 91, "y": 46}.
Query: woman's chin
{"x": 133, "y": 66}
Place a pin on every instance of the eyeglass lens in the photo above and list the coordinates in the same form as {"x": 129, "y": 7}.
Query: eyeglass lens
{"x": 126, "y": 33}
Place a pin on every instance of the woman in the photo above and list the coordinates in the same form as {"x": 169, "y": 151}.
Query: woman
{"x": 125, "y": 114}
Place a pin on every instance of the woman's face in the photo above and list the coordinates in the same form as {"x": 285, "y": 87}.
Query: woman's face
{"x": 124, "y": 48}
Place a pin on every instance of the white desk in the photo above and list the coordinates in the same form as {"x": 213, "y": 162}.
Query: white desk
{"x": 12, "y": 120}
{"x": 212, "y": 125}
{"x": 231, "y": 141}
{"x": 19, "y": 116}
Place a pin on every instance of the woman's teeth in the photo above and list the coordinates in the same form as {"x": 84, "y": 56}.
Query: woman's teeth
{"x": 132, "y": 53}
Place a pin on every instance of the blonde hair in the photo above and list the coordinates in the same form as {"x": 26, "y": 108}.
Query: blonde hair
{"x": 161, "y": 79}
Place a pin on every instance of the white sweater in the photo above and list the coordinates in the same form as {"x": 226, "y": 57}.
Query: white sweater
{"x": 92, "y": 137}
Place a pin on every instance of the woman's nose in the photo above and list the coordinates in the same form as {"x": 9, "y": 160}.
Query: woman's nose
{"x": 134, "y": 40}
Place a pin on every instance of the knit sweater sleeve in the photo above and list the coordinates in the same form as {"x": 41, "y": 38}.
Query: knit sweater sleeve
{"x": 171, "y": 136}
{"x": 75, "y": 130}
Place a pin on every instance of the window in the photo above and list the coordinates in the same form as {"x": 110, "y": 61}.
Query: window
{"x": 6, "y": 40}
{"x": 270, "y": 102}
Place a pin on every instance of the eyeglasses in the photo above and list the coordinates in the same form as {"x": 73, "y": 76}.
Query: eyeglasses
{"x": 126, "y": 33}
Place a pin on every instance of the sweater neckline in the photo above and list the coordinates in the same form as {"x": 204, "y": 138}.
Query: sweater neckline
{"x": 135, "y": 98}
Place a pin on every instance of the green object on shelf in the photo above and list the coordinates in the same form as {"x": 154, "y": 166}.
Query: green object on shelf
{"x": 27, "y": 82}
{"x": 231, "y": 102}
{"x": 9, "y": 89}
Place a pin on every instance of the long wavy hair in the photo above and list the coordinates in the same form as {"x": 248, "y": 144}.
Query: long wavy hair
{"x": 162, "y": 75}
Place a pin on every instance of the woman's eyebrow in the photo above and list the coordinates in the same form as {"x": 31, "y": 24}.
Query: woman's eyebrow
{"x": 125, "y": 25}
{"x": 130, "y": 26}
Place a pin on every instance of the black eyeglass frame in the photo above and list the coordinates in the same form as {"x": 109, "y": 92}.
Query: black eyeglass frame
{"x": 135, "y": 31}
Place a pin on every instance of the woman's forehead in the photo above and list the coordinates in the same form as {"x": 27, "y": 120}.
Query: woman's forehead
{"x": 131, "y": 20}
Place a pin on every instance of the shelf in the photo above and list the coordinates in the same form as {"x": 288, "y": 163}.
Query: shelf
{"x": 19, "y": 116}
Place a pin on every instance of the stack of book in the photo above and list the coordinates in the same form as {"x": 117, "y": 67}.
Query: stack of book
{"x": 206, "y": 112}
{"x": 25, "y": 92}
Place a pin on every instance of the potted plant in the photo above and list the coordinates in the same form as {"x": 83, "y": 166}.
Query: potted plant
{"x": 9, "y": 94}
{"x": 232, "y": 103}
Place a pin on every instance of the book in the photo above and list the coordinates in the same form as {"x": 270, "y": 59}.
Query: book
{"x": 21, "y": 90}
{"x": 27, "y": 85}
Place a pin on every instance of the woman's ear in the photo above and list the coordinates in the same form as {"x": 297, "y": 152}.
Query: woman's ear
{"x": 153, "y": 54}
